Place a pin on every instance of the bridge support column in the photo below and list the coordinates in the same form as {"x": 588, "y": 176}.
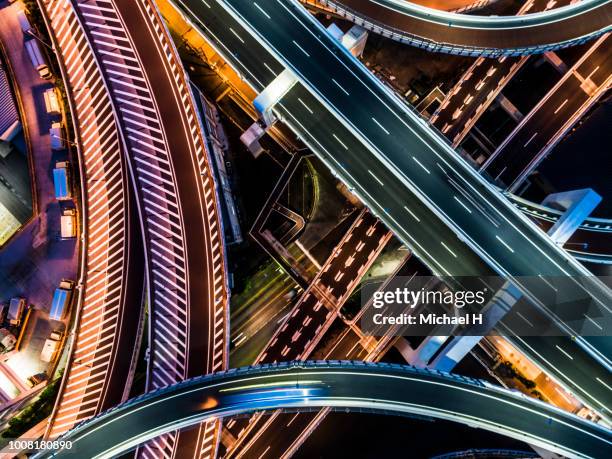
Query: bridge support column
{"x": 457, "y": 347}
{"x": 354, "y": 40}
{"x": 577, "y": 204}
{"x": 264, "y": 103}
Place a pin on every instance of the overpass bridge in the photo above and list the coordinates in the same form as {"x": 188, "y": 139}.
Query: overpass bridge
{"x": 338, "y": 144}
{"x": 472, "y": 35}
{"x": 380, "y": 388}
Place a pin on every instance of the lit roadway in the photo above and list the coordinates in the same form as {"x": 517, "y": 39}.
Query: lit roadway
{"x": 554, "y": 115}
{"x": 492, "y": 34}
{"x": 480, "y": 85}
{"x": 374, "y": 142}
{"x": 383, "y": 388}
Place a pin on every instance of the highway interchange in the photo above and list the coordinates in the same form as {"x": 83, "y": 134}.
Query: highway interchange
{"x": 407, "y": 175}
{"x": 438, "y": 246}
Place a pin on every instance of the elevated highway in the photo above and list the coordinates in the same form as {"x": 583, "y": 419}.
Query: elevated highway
{"x": 382, "y": 388}
{"x": 471, "y": 35}
{"x": 151, "y": 116}
{"x": 337, "y": 144}
{"x": 591, "y": 241}
{"x": 104, "y": 337}
{"x": 183, "y": 238}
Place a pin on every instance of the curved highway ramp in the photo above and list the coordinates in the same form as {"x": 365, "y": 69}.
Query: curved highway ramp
{"x": 385, "y": 388}
{"x": 489, "y": 36}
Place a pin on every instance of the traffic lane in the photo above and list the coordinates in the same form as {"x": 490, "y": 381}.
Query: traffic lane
{"x": 501, "y": 245}
{"x": 224, "y": 32}
{"x": 276, "y": 438}
{"x": 404, "y": 390}
{"x": 568, "y": 363}
{"x": 352, "y": 255}
{"x": 195, "y": 222}
{"x": 424, "y": 233}
{"x": 549, "y": 119}
{"x": 598, "y": 66}
{"x": 387, "y": 199}
{"x": 478, "y": 86}
{"x": 298, "y": 330}
{"x": 499, "y": 34}
{"x": 535, "y": 134}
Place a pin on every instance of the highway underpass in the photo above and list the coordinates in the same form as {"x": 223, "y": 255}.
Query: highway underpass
{"x": 474, "y": 35}
{"x": 381, "y": 388}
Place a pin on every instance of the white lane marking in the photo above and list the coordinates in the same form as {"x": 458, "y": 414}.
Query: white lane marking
{"x": 462, "y": 204}
{"x": 305, "y": 106}
{"x": 340, "y": 86}
{"x": 300, "y": 48}
{"x": 593, "y": 321}
{"x": 504, "y": 243}
{"x": 530, "y": 139}
{"x": 549, "y": 284}
{"x": 421, "y": 164}
{"x": 524, "y": 318}
{"x": 412, "y": 213}
{"x": 265, "y": 452}
{"x": 377, "y": 179}
{"x": 270, "y": 69}
{"x": 380, "y": 126}
{"x": 293, "y": 419}
{"x": 447, "y": 248}
{"x": 608, "y": 387}
{"x": 262, "y": 10}
{"x": 565, "y": 353}
{"x": 236, "y": 34}
{"x": 467, "y": 169}
{"x": 340, "y": 141}
{"x": 560, "y": 106}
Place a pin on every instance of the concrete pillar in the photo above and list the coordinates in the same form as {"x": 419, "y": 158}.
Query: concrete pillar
{"x": 459, "y": 346}
{"x": 272, "y": 94}
{"x": 577, "y": 204}
{"x": 354, "y": 40}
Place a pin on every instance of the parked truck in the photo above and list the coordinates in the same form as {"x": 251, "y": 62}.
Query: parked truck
{"x": 38, "y": 61}
{"x": 16, "y": 309}
{"x": 68, "y": 224}
{"x": 52, "y": 105}
{"x": 61, "y": 300}
{"x": 57, "y": 136}
{"x": 61, "y": 180}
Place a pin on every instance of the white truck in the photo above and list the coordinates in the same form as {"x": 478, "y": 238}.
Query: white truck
{"x": 16, "y": 310}
{"x": 68, "y": 224}
{"x": 50, "y": 347}
{"x": 38, "y": 61}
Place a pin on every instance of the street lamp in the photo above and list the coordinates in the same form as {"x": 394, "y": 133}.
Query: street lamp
{"x": 70, "y": 142}
{"x": 29, "y": 32}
